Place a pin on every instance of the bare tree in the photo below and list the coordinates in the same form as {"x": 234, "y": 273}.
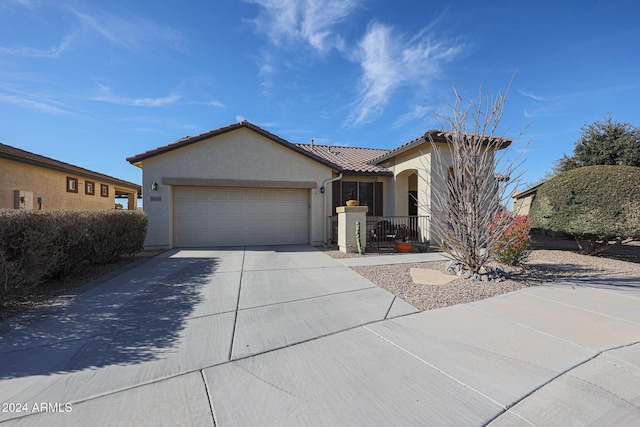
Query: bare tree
{"x": 471, "y": 179}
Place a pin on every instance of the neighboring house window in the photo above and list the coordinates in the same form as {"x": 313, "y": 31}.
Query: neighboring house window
{"x": 104, "y": 190}
{"x": 72, "y": 185}
{"x": 89, "y": 188}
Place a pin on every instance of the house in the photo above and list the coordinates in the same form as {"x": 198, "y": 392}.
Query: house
{"x": 242, "y": 185}
{"x": 522, "y": 200}
{"x": 31, "y": 181}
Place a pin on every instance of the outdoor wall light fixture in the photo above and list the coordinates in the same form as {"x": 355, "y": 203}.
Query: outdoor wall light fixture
{"x": 154, "y": 186}
{"x": 322, "y": 190}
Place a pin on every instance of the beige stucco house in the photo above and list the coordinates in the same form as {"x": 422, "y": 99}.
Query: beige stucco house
{"x": 242, "y": 185}
{"x": 522, "y": 200}
{"x": 31, "y": 181}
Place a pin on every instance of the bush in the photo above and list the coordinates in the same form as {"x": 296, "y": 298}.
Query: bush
{"x": 597, "y": 203}
{"x": 39, "y": 245}
{"x": 513, "y": 246}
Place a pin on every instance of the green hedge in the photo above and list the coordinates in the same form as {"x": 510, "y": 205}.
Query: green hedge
{"x": 38, "y": 245}
{"x": 592, "y": 202}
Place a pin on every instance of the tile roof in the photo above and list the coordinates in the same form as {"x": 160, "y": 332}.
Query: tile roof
{"x": 16, "y": 154}
{"x": 187, "y": 140}
{"x": 349, "y": 159}
{"x": 437, "y": 136}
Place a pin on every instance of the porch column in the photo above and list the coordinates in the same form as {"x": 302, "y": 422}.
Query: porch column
{"x": 347, "y": 217}
{"x": 402, "y": 195}
{"x": 132, "y": 199}
{"x": 424, "y": 202}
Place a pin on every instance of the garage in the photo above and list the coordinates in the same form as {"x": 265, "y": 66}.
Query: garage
{"x": 232, "y": 216}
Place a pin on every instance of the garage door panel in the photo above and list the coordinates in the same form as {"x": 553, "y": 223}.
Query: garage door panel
{"x": 211, "y": 216}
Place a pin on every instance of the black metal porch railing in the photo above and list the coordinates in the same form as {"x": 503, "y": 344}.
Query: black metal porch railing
{"x": 383, "y": 231}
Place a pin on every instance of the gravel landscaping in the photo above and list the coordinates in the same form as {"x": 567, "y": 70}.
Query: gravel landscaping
{"x": 544, "y": 265}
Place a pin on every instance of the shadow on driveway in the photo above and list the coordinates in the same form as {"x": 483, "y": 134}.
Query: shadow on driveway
{"x": 128, "y": 320}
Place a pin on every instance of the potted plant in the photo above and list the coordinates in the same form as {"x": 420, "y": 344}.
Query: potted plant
{"x": 352, "y": 201}
{"x": 403, "y": 244}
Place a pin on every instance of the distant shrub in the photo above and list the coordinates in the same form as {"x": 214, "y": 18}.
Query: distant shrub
{"x": 513, "y": 246}
{"x": 598, "y": 203}
{"x": 37, "y": 245}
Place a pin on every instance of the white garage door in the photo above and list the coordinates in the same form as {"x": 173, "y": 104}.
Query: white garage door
{"x": 221, "y": 216}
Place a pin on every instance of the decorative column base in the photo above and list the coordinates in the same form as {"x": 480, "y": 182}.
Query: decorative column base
{"x": 347, "y": 217}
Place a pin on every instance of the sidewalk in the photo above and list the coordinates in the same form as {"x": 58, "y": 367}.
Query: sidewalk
{"x": 393, "y": 259}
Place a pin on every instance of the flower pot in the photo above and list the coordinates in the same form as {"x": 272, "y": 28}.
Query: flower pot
{"x": 353, "y": 203}
{"x": 403, "y": 247}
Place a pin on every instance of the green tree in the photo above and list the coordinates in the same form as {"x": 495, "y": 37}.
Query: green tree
{"x": 605, "y": 142}
{"x": 599, "y": 204}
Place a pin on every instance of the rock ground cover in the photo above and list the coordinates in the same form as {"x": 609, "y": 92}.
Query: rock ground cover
{"x": 552, "y": 259}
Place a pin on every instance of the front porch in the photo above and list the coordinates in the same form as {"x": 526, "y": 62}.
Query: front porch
{"x": 383, "y": 231}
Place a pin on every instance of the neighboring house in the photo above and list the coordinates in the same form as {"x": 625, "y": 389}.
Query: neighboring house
{"x": 31, "y": 181}
{"x": 242, "y": 185}
{"x": 522, "y": 200}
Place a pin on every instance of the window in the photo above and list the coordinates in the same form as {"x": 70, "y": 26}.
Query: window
{"x": 89, "y": 188}
{"x": 367, "y": 193}
{"x": 72, "y": 185}
{"x": 104, "y": 190}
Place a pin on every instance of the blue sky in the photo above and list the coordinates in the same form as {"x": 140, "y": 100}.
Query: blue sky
{"x": 92, "y": 82}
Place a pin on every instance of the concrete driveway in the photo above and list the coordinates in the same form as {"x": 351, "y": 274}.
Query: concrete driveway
{"x": 170, "y": 317}
{"x": 290, "y": 336}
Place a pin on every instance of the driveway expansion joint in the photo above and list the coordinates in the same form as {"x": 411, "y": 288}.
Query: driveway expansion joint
{"x": 582, "y": 308}
{"x": 209, "y": 398}
{"x": 307, "y": 298}
{"x": 432, "y": 366}
{"x": 522, "y": 325}
{"x": 235, "y": 320}
{"x": 389, "y": 309}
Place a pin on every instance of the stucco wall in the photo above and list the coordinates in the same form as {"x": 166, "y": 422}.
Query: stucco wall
{"x": 403, "y": 165}
{"x": 238, "y": 155}
{"x": 523, "y": 205}
{"x": 50, "y": 184}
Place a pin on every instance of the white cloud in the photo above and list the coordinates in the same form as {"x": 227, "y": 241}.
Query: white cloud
{"x": 380, "y": 76}
{"x": 213, "y": 103}
{"x": 27, "y": 4}
{"x": 533, "y": 96}
{"x": 389, "y": 62}
{"x": 107, "y": 95}
{"x": 267, "y": 69}
{"x": 133, "y": 33}
{"x": 32, "y": 104}
{"x": 418, "y": 112}
{"x": 52, "y": 52}
{"x": 308, "y": 21}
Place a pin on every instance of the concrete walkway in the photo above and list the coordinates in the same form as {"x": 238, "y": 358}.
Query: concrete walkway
{"x": 290, "y": 336}
{"x": 393, "y": 259}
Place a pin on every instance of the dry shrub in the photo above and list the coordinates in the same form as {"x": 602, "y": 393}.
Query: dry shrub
{"x": 39, "y": 245}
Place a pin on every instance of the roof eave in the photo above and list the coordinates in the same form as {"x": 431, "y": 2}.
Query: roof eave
{"x": 365, "y": 173}
{"x": 437, "y": 136}
{"x": 71, "y": 170}
{"x": 137, "y": 159}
